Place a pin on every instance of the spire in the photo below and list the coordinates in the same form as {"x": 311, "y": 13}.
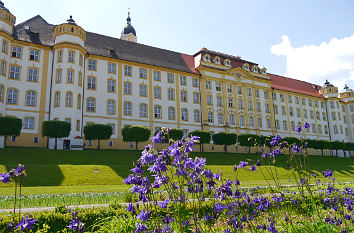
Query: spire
{"x": 128, "y": 32}
{"x": 71, "y": 20}
{"x": 129, "y": 19}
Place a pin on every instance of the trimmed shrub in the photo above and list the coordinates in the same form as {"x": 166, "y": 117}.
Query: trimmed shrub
{"x": 204, "y": 137}
{"x": 98, "y": 132}
{"x": 224, "y": 138}
{"x": 136, "y": 133}
{"x": 56, "y": 129}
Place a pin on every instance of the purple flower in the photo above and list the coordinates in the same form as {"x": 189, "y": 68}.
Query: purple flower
{"x": 296, "y": 149}
{"x": 253, "y": 168}
{"x": 258, "y": 163}
{"x": 167, "y": 220}
{"x": 164, "y": 204}
{"x": 20, "y": 171}
{"x": 131, "y": 208}
{"x": 307, "y": 125}
{"x": 264, "y": 155}
{"x": 137, "y": 169}
{"x": 219, "y": 207}
{"x": 158, "y": 138}
{"x": 298, "y": 128}
{"x": 143, "y": 216}
{"x": 276, "y": 138}
{"x": 242, "y": 164}
{"x": 328, "y": 173}
{"x": 141, "y": 228}
{"x": 5, "y": 178}
{"x": 26, "y": 223}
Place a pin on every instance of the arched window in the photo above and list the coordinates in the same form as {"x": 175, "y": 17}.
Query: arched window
{"x": 251, "y": 121}
{"x": 196, "y": 115}
{"x": 127, "y": 109}
{"x": 232, "y": 119}
{"x": 78, "y": 101}
{"x": 171, "y": 113}
{"x": 184, "y": 114}
{"x": 143, "y": 110}
{"x": 91, "y": 102}
{"x": 220, "y": 118}
{"x": 31, "y": 97}
{"x": 157, "y": 111}
{"x": 12, "y": 96}
{"x": 57, "y": 99}
{"x": 210, "y": 117}
{"x": 242, "y": 120}
{"x": 319, "y": 129}
{"x": 111, "y": 107}
{"x": 2, "y": 88}
{"x": 69, "y": 99}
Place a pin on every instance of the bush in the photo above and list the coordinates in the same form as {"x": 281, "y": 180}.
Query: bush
{"x": 98, "y": 132}
{"x": 136, "y": 133}
{"x": 204, "y": 137}
{"x": 248, "y": 140}
{"x": 224, "y": 138}
{"x": 56, "y": 129}
{"x": 10, "y": 126}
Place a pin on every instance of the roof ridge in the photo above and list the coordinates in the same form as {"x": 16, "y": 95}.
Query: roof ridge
{"x": 32, "y": 19}
{"x": 294, "y": 79}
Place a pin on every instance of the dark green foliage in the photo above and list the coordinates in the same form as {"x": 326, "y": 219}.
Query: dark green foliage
{"x": 321, "y": 145}
{"x": 265, "y": 141}
{"x": 334, "y": 146}
{"x": 175, "y": 134}
{"x": 291, "y": 140}
{"x": 136, "y": 133}
{"x": 349, "y": 147}
{"x": 56, "y": 129}
{"x": 98, "y": 132}
{"x": 224, "y": 138}
{"x": 10, "y": 126}
{"x": 204, "y": 137}
{"x": 248, "y": 140}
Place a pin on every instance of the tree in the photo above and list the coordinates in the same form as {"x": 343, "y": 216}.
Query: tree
{"x": 98, "y": 132}
{"x": 265, "y": 141}
{"x": 321, "y": 145}
{"x": 292, "y": 140}
{"x": 175, "y": 134}
{"x": 204, "y": 137}
{"x": 248, "y": 140}
{"x": 10, "y": 126}
{"x": 336, "y": 145}
{"x": 56, "y": 129}
{"x": 136, "y": 133}
{"x": 349, "y": 147}
{"x": 224, "y": 138}
{"x": 341, "y": 146}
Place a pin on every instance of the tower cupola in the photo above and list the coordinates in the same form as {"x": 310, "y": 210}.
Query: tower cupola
{"x": 128, "y": 32}
{"x": 347, "y": 95}
{"x": 69, "y": 32}
{"x": 329, "y": 90}
{"x": 7, "y": 20}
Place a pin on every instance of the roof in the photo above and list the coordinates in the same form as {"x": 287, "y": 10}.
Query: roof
{"x": 294, "y": 85}
{"x": 41, "y": 33}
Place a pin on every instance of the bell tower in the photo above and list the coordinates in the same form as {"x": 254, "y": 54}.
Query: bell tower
{"x": 7, "y": 20}
{"x": 128, "y": 32}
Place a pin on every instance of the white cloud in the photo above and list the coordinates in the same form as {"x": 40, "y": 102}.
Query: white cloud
{"x": 333, "y": 60}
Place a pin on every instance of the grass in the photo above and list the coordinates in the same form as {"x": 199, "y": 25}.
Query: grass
{"x": 58, "y": 172}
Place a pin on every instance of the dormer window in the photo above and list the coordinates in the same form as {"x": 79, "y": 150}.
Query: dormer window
{"x": 264, "y": 70}
{"x": 246, "y": 66}
{"x": 227, "y": 62}
{"x": 255, "y": 68}
{"x": 217, "y": 60}
{"x": 206, "y": 57}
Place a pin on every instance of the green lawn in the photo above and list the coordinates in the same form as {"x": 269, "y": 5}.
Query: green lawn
{"x": 103, "y": 171}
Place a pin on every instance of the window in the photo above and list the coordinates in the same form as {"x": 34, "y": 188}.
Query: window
{"x": 316, "y": 103}
{"x": 333, "y": 116}
{"x": 343, "y": 110}
{"x": 335, "y": 129}
{"x": 143, "y": 110}
{"x": 15, "y": 71}
{"x": 325, "y": 129}
{"x": 240, "y": 103}
{"x": 207, "y": 84}
{"x": 171, "y": 113}
{"x": 170, "y": 78}
{"x": 183, "y": 80}
{"x": 258, "y": 106}
{"x": 111, "y": 68}
{"x": 303, "y": 101}
{"x": 34, "y": 55}
{"x": 195, "y": 82}
{"x": 292, "y": 125}
{"x": 239, "y": 90}
{"x": 324, "y": 116}
{"x": 80, "y": 79}
{"x": 57, "y": 99}
{"x": 311, "y": 114}
{"x": 260, "y": 122}
{"x": 229, "y": 88}
{"x": 3, "y": 68}
{"x": 218, "y": 86}
{"x": 249, "y": 92}
{"x": 2, "y": 90}
{"x": 157, "y": 92}
{"x": 242, "y": 121}
{"x": 58, "y": 76}
{"x": 4, "y": 46}
{"x": 32, "y": 75}
{"x": 267, "y": 107}
{"x": 111, "y": 107}
{"x": 142, "y": 73}
{"x": 171, "y": 94}
{"x": 313, "y": 126}
{"x": 69, "y": 99}
{"x": 305, "y": 113}
{"x": 78, "y": 101}
{"x": 91, "y": 102}
{"x": 111, "y": 85}
{"x": 113, "y": 126}
{"x": 351, "y": 107}
{"x": 277, "y": 124}
{"x": 92, "y": 65}
{"x": 251, "y": 121}
{"x": 317, "y": 115}
{"x": 345, "y": 119}
{"x": 285, "y": 125}
{"x": 291, "y": 111}
{"x": 157, "y": 75}
{"x": 268, "y": 123}
{"x": 89, "y": 142}
{"x": 346, "y": 132}
{"x": 296, "y": 100}
{"x": 127, "y": 109}
{"x": 265, "y": 94}
{"x": 290, "y": 99}
{"x": 322, "y": 105}
{"x": 298, "y": 113}
{"x": 283, "y": 111}
{"x": 28, "y": 123}
{"x": 183, "y": 96}
{"x": 196, "y": 98}
{"x": 256, "y": 93}
{"x": 274, "y": 96}
{"x": 219, "y": 100}
{"x": 71, "y": 57}
{"x": 331, "y": 104}
{"x": 68, "y": 120}
{"x": 91, "y": 83}
{"x": 16, "y": 52}
{"x": 184, "y": 114}
{"x": 232, "y": 119}
{"x": 35, "y": 139}
{"x": 127, "y": 88}
{"x": 275, "y": 109}
{"x": 143, "y": 90}
{"x": 210, "y": 117}
{"x": 60, "y": 56}
{"x": 310, "y": 102}
{"x": 196, "y": 115}
{"x": 81, "y": 58}
{"x": 31, "y": 98}
{"x": 12, "y": 96}
{"x": 157, "y": 111}
{"x": 339, "y": 116}
{"x": 70, "y": 76}
{"x": 230, "y": 102}
{"x": 209, "y": 99}
{"x": 250, "y": 105}
{"x": 281, "y": 97}
{"x": 220, "y": 118}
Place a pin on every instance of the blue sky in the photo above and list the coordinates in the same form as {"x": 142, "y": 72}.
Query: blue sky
{"x": 289, "y": 37}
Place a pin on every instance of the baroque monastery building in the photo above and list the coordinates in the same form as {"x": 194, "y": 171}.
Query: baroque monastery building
{"x": 62, "y": 72}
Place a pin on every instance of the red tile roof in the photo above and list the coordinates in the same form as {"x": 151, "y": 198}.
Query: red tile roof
{"x": 189, "y": 60}
{"x": 294, "y": 85}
